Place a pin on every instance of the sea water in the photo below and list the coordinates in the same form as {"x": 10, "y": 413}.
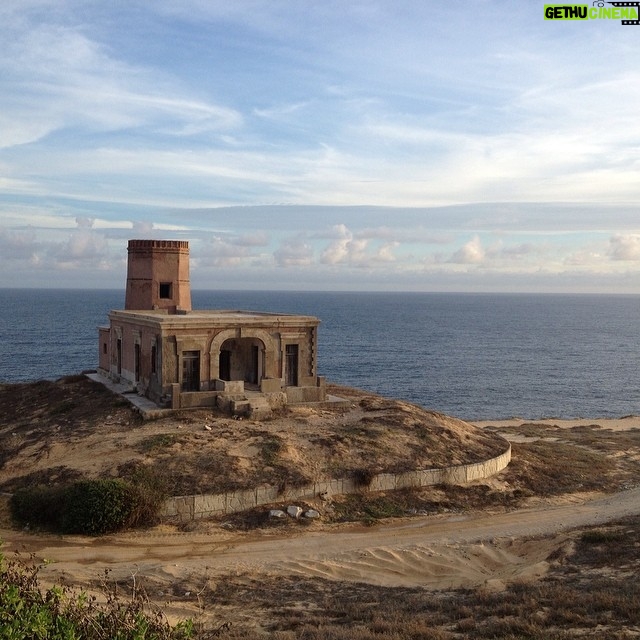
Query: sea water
{"x": 475, "y": 356}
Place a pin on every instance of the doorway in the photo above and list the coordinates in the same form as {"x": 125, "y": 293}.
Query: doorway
{"x": 225, "y": 364}
{"x": 291, "y": 365}
{"x": 191, "y": 371}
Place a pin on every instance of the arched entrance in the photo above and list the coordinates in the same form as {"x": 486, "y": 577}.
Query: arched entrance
{"x": 242, "y": 359}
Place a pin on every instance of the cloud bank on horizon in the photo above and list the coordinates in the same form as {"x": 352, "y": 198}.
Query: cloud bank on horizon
{"x": 378, "y": 145}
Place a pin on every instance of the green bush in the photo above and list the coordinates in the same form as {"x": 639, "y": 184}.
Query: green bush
{"x": 28, "y": 612}
{"x": 94, "y": 507}
{"x": 39, "y": 506}
{"x": 89, "y": 507}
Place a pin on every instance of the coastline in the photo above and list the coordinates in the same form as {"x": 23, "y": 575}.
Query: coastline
{"x": 626, "y": 423}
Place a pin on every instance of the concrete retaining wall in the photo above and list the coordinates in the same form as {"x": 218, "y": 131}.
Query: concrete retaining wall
{"x": 187, "y": 508}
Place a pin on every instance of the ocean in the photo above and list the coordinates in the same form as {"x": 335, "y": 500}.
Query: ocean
{"x": 474, "y": 356}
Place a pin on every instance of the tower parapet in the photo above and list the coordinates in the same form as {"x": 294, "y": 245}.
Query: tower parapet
{"x": 158, "y": 276}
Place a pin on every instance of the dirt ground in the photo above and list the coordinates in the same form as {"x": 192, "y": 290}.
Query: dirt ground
{"x": 565, "y": 475}
{"x": 53, "y": 432}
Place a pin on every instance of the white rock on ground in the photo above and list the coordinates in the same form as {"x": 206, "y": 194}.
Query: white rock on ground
{"x": 294, "y": 511}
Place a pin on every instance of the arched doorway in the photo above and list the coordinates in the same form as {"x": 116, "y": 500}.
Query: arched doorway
{"x": 242, "y": 359}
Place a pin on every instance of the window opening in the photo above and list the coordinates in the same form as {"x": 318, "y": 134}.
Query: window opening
{"x": 165, "y": 290}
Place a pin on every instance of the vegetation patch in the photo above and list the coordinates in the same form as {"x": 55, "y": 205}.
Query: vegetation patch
{"x": 89, "y": 507}
{"x": 553, "y": 468}
{"x": 572, "y": 602}
{"x": 29, "y": 611}
{"x": 157, "y": 442}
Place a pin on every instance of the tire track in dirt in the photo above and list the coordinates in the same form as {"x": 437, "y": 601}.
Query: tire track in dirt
{"x": 429, "y": 551}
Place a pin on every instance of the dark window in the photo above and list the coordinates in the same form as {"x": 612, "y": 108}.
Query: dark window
{"x": 191, "y": 371}
{"x": 165, "y": 290}
{"x": 153, "y": 358}
{"x": 119, "y": 356}
{"x": 104, "y": 348}
{"x": 291, "y": 365}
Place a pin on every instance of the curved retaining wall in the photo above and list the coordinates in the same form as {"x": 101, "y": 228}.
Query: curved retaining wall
{"x": 201, "y": 506}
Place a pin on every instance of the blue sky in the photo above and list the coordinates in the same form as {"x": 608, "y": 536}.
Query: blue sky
{"x": 299, "y": 144}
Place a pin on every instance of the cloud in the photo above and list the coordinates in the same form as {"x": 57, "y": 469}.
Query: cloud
{"x": 294, "y": 252}
{"x": 349, "y": 248}
{"x": 142, "y": 227}
{"x": 625, "y": 247}
{"x": 18, "y": 244}
{"x": 254, "y": 239}
{"x": 230, "y": 250}
{"x": 85, "y": 246}
{"x": 385, "y": 252}
{"x": 471, "y": 253}
{"x": 341, "y": 248}
{"x": 59, "y": 77}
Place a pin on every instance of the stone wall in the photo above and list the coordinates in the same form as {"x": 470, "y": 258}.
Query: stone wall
{"x": 187, "y": 508}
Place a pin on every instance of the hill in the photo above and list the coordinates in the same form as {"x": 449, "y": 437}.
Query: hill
{"x": 467, "y": 563}
{"x": 54, "y": 432}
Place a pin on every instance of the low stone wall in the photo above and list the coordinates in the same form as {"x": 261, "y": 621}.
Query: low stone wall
{"x": 187, "y": 508}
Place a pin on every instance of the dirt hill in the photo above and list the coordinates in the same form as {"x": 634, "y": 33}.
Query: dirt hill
{"x": 74, "y": 428}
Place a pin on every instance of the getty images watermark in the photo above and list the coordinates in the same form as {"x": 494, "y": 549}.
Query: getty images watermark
{"x": 627, "y": 12}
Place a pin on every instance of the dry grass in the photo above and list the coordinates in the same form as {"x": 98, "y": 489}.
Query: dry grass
{"x": 590, "y": 592}
{"x": 77, "y": 426}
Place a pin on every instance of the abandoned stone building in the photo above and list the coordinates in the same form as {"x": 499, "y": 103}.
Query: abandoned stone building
{"x": 240, "y": 361}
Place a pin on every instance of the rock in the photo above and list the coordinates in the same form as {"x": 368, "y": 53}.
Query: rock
{"x": 312, "y": 513}
{"x": 277, "y": 513}
{"x": 294, "y": 511}
{"x": 207, "y": 427}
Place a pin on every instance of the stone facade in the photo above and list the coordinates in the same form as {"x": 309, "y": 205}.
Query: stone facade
{"x": 242, "y": 361}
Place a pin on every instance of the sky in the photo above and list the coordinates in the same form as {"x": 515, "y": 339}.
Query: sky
{"x": 466, "y": 145}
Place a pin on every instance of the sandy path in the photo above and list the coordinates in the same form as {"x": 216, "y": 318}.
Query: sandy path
{"x": 433, "y": 551}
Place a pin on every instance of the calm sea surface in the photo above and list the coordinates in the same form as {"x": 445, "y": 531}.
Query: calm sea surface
{"x": 472, "y": 356}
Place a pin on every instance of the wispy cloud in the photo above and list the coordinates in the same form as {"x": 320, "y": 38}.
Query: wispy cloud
{"x": 335, "y": 144}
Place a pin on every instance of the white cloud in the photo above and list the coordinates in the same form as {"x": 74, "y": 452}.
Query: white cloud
{"x": 18, "y": 244}
{"x": 625, "y": 247}
{"x": 289, "y": 113}
{"x": 294, "y": 252}
{"x": 230, "y": 250}
{"x": 341, "y": 248}
{"x": 142, "y": 227}
{"x": 60, "y": 78}
{"x": 470, "y": 253}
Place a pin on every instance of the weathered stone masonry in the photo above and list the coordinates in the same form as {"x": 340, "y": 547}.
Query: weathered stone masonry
{"x": 179, "y": 357}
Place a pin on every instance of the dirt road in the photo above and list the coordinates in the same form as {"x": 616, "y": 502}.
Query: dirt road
{"x": 433, "y": 551}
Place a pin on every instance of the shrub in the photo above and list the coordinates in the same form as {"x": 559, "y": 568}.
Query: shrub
{"x": 40, "y": 506}
{"x": 27, "y": 611}
{"x": 363, "y": 477}
{"x": 90, "y": 507}
{"x": 598, "y": 536}
{"x": 94, "y": 507}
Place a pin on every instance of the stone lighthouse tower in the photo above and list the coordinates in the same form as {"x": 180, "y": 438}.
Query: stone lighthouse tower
{"x": 158, "y": 276}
